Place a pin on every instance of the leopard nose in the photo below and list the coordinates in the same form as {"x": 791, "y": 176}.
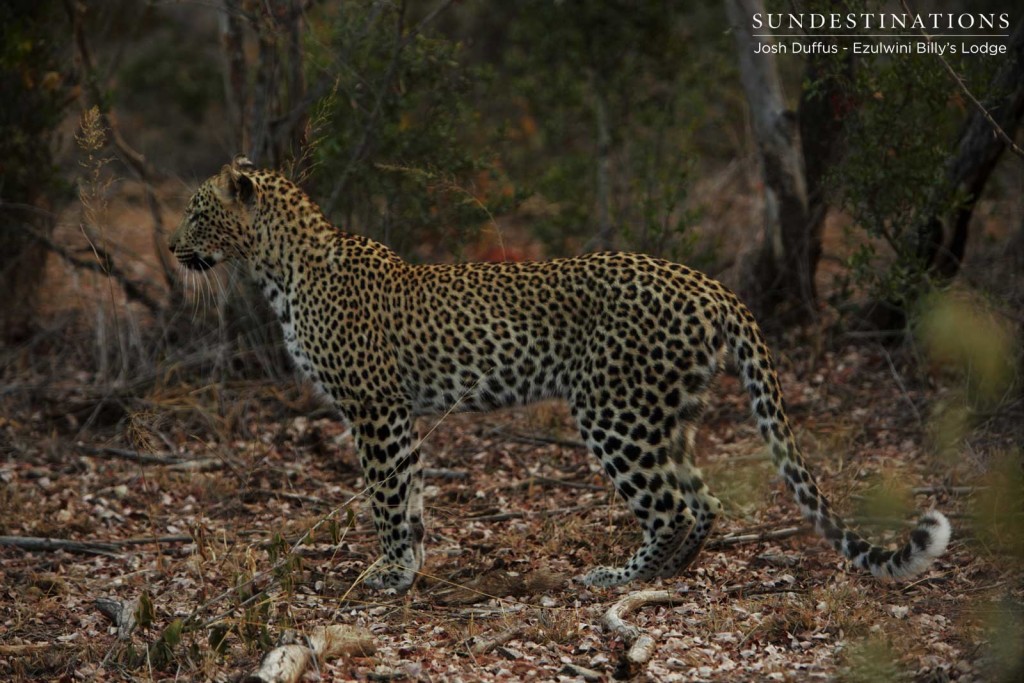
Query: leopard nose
{"x": 174, "y": 239}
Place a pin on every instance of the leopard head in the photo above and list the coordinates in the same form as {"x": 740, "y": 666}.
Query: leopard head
{"x": 218, "y": 221}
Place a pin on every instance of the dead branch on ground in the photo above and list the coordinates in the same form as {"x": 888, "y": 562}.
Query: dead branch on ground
{"x": 482, "y": 646}
{"x": 289, "y": 660}
{"x": 641, "y": 645}
{"x": 742, "y": 539}
{"x": 24, "y": 649}
{"x": 35, "y": 543}
{"x": 172, "y": 462}
{"x": 538, "y": 440}
{"x": 552, "y": 481}
{"x": 103, "y": 548}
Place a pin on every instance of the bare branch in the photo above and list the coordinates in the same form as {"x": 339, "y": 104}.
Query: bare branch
{"x": 25, "y": 649}
{"x": 967, "y": 91}
{"x": 172, "y": 462}
{"x": 104, "y": 263}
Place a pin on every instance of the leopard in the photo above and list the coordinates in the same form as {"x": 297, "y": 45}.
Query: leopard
{"x": 631, "y": 342}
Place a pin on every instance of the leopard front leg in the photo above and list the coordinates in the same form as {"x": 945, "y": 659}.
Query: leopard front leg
{"x": 391, "y": 469}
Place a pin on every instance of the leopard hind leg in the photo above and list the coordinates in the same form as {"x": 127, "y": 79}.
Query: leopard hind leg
{"x": 705, "y": 507}
{"x": 634, "y": 454}
{"x": 682, "y": 425}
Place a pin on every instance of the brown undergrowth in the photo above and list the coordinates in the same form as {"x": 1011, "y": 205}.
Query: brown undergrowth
{"x": 175, "y": 469}
{"x": 223, "y": 514}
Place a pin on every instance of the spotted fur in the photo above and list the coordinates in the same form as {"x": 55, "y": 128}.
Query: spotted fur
{"x": 631, "y": 342}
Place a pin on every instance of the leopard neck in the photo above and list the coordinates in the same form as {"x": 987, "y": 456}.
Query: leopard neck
{"x": 295, "y": 244}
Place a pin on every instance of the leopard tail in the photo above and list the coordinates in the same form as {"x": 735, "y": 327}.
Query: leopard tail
{"x": 756, "y": 368}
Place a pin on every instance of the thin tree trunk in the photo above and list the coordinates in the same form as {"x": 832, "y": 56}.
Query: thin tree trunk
{"x": 296, "y": 79}
{"x": 22, "y": 264}
{"x": 780, "y": 279}
{"x": 236, "y": 89}
{"x": 264, "y": 96}
{"x": 820, "y": 113}
{"x": 605, "y": 231}
{"x": 269, "y": 114}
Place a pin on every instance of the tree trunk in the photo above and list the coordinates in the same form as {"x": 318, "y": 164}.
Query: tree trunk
{"x": 942, "y": 240}
{"x": 820, "y": 113}
{"x": 605, "y": 232}
{"x": 236, "y": 89}
{"x": 30, "y": 191}
{"x": 269, "y": 113}
{"x": 22, "y": 265}
{"x": 779, "y": 281}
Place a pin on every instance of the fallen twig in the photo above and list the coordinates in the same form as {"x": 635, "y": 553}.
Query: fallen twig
{"x": 581, "y": 672}
{"x": 503, "y": 516}
{"x": 158, "y": 540}
{"x": 760, "y": 537}
{"x": 539, "y": 440}
{"x": 23, "y": 649}
{"x": 111, "y": 452}
{"x": 641, "y": 645}
{"x": 103, "y": 548}
{"x": 198, "y": 465}
{"x": 254, "y": 494}
{"x": 951, "y": 490}
{"x": 482, "y": 646}
{"x": 289, "y": 660}
{"x": 499, "y": 583}
{"x": 34, "y": 543}
{"x": 172, "y": 462}
{"x": 613, "y": 616}
{"x": 551, "y": 481}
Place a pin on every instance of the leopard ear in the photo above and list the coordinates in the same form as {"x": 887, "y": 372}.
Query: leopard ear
{"x": 240, "y": 185}
{"x": 242, "y": 163}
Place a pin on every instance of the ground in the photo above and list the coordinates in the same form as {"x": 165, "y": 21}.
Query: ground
{"x": 188, "y": 489}
{"x": 205, "y": 497}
